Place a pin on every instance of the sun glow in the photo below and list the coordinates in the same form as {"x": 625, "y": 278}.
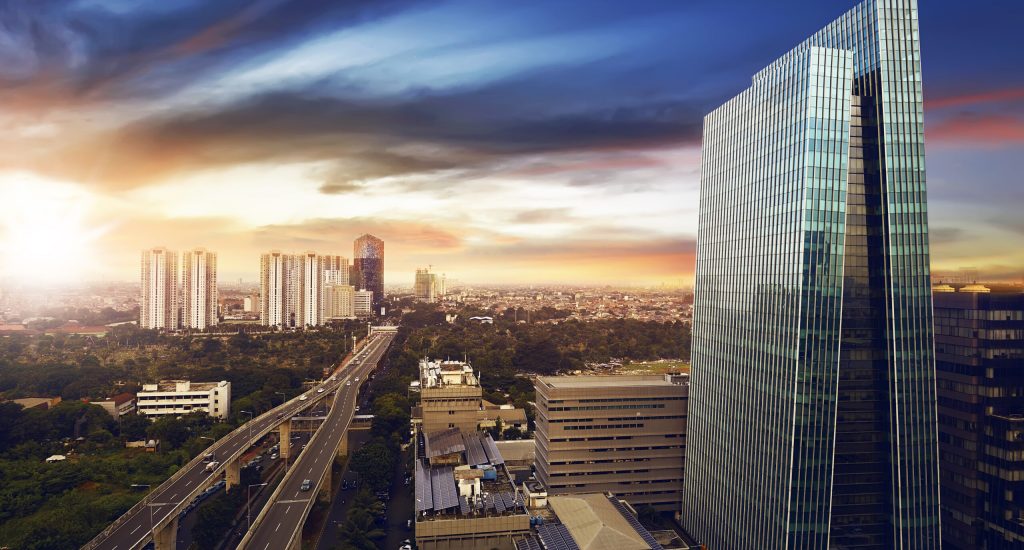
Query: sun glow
{"x": 44, "y": 237}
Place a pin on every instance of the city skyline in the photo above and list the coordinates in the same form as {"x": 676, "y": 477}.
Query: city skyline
{"x": 543, "y": 143}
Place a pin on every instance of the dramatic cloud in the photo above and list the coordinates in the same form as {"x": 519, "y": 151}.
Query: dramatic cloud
{"x": 514, "y": 141}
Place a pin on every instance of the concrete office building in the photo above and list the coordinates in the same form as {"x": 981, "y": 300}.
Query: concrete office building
{"x": 368, "y": 267}
{"x": 198, "y": 289}
{"x": 181, "y": 397}
{"x": 363, "y": 303}
{"x": 339, "y": 301}
{"x": 979, "y": 352}
{"x": 620, "y": 434}
{"x": 158, "y": 305}
{"x": 812, "y": 419}
{"x": 451, "y": 397}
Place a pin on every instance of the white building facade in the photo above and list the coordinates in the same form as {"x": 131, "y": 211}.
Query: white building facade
{"x": 158, "y": 304}
{"x": 181, "y": 397}
{"x": 199, "y": 289}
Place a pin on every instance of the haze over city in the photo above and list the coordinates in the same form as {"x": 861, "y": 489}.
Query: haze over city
{"x": 547, "y": 142}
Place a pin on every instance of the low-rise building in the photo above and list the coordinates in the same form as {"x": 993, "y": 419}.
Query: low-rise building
{"x": 613, "y": 434}
{"x": 38, "y": 402}
{"x": 119, "y": 405}
{"x": 465, "y": 497}
{"x": 180, "y": 397}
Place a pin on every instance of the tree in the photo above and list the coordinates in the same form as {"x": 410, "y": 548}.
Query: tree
{"x": 374, "y": 462}
{"x": 171, "y": 432}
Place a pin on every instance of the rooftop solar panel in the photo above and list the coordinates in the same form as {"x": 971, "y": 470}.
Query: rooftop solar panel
{"x": 556, "y": 537}
{"x": 529, "y": 543}
{"x": 424, "y": 493}
{"x": 443, "y": 486}
{"x": 492, "y": 450}
{"x": 499, "y": 503}
{"x": 475, "y": 454}
{"x": 635, "y": 524}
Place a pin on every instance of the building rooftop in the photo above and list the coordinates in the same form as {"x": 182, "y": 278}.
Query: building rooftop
{"x": 436, "y": 374}
{"x": 593, "y": 521}
{"x": 181, "y": 386}
{"x": 592, "y": 381}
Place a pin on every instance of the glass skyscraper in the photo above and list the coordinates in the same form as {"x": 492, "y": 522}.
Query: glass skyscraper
{"x": 812, "y": 417}
{"x": 368, "y": 267}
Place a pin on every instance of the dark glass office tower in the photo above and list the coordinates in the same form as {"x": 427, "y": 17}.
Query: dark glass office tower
{"x": 368, "y": 267}
{"x": 979, "y": 355}
{"x": 812, "y": 408}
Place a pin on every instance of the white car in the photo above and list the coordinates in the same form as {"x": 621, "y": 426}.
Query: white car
{"x": 303, "y": 398}
{"x": 333, "y": 378}
{"x": 357, "y": 379}
{"x": 319, "y": 390}
{"x": 348, "y": 383}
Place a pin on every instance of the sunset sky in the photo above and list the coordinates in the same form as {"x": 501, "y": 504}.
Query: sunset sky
{"x": 504, "y": 142}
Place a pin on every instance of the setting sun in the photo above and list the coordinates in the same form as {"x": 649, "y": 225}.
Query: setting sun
{"x": 43, "y": 235}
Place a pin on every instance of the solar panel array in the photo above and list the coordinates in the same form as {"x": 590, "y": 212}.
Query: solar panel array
{"x": 445, "y": 442}
{"x": 499, "y": 503}
{"x": 492, "y": 451}
{"x": 635, "y": 524}
{"x": 556, "y": 537}
{"x": 424, "y": 492}
{"x": 529, "y": 543}
{"x": 475, "y": 454}
{"x": 442, "y": 481}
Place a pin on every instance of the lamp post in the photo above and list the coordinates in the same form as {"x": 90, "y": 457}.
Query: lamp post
{"x": 248, "y": 505}
{"x": 148, "y": 505}
{"x": 283, "y": 396}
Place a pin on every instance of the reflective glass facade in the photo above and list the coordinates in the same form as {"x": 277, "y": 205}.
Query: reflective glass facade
{"x": 368, "y": 267}
{"x": 812, "y": 412}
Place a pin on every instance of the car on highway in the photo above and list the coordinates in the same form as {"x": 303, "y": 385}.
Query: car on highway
{"x": 273, "y": 456}
{"x": 208, "y": 457}
{"x": 303, "y": 398}
{"x": 333, "y": 378}
{"x": 306, "y": 485}
{"x": 357, "y": 379}
{"x": 212, "y": 466}
{"x": 348, "y": 383}
{"x": 319, "y": 390}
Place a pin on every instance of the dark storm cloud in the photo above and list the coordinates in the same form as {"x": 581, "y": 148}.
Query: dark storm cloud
{"x": 456, "y": 129}
{"x": 77, "y": 51}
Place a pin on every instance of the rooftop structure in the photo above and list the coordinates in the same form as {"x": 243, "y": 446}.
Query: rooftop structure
{"x": 464, "y": 493}
{"x": 592, "y": 521}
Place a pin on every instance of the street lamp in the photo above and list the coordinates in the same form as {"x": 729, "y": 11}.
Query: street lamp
{"x": 249, "y": 422}
{"x": 149, "y": 505}
{"x": 248, "y": 505}
{"x": 283, "y": 396}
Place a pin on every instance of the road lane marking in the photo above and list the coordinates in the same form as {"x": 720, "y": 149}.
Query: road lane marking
{"x": 137, "y": 527}
{"x": 278, "y": 526}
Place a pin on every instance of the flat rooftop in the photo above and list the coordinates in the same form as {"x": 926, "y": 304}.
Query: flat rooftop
{"x": 596, "y": 381}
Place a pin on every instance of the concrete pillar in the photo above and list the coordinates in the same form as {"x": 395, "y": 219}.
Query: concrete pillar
{"x": 343, "y": 445}
{"x": 167, "y": 537}
{"x": 285, "y": 435}
{"x": 232, "y": 474}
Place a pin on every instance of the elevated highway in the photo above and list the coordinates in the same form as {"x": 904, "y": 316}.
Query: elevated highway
{"x": 155, "y": 517}
{"x": 279, "y": 524}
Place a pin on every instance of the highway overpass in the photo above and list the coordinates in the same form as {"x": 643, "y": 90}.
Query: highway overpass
{"x": 155, "y": 518}
{"x": 279, "y": 524}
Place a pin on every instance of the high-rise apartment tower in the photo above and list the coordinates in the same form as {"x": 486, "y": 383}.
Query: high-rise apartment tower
{"x": 158, "y": 304}
{"x": 812, "y": 419}
{"x": 198, "y": 289}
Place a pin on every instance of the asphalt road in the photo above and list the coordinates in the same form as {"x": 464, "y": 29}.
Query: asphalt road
{"x": 286, "y": 515}
{"x": 169, "y": 498}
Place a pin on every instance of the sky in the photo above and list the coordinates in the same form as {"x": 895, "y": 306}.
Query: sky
{"x": 504, "y": 142}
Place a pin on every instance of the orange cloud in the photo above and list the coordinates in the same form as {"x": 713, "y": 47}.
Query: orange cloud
{"x": 963, "y": 100}
{"x": 986, "y": 129}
